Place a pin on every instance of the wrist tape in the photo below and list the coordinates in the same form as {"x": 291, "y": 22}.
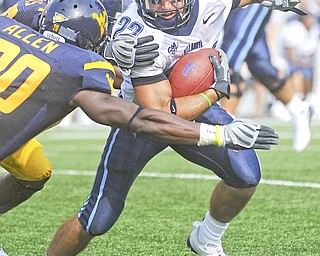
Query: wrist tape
{"x": 210, "y": 135}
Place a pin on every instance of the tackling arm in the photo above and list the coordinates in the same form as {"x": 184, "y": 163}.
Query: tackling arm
{"x": 108, "y": 110}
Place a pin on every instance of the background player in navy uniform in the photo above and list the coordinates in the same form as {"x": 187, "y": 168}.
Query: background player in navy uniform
{"x": 29, "y": 165}
{"x": 245, "y": 41}
{"x": 179, "y": 27}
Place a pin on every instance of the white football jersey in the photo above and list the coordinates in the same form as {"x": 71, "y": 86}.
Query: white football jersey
{"x": 202, "y": 31}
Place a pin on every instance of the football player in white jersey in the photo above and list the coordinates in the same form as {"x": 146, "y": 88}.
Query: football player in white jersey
{"x": 245, "y": 40}
{"x": 178, "y": 26}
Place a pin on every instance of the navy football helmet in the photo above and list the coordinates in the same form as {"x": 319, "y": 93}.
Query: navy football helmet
{"x": 113, "y": 8}
{"x": 153, "y": 17}
{"x": 78, "y": 22}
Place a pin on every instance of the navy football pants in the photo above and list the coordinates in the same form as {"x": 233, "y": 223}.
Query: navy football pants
{"x": 125, "y": 155}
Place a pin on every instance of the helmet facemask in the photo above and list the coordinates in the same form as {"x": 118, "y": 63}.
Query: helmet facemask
{"x": 156, "y": 17}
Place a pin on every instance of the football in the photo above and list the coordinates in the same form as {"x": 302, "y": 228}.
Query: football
{"x": 193, "y": 73}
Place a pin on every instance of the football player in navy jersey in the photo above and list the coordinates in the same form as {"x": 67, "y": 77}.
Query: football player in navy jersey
{"x": 29, "y": 165}
{"x": 245, "y": 41}
{"x": 178, "y": 26}
{"x": 45, "y": 77}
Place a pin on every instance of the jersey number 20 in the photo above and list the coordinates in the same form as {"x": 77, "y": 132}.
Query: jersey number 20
{"x": 40, "y": 69}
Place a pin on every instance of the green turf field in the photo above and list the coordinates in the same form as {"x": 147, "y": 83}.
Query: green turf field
{"x": 281, "y": 219}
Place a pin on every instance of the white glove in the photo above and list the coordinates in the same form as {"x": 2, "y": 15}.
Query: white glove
{"x": 283, "y": 5}
{"x": 240, "y": 134}
{"x": 128, "y": 50}
{"x": 221, "y": 73}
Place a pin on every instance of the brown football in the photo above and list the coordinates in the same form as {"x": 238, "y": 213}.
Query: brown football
{"x": 193, "y": 73}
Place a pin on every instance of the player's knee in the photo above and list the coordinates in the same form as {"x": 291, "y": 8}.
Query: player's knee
{"x": 275, "y": 85}
{"x": 270, "y": 78}
{"x": 14, "y": 191}
{"x": 35, "y": 163}
{"x": 103, "y": 219}
{"x": 29, "y": 163}
{"x": 102, "y": 224}
{"x": 246, "y": 169}
{"x": 33, "y": 185}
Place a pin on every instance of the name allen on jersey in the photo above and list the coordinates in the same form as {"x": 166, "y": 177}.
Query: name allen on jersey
{"x": 43, "y": 44}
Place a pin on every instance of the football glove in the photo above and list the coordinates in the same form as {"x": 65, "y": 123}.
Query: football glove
{"x": 128, "y": 50}
{"x": 246, "y": 134}
{"x": 221, "y": 73}
{"x": 239, "y": 134}
{"x": 283, "y": 5}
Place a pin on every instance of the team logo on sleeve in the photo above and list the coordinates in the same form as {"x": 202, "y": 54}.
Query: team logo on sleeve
{"x": 58, "y": 17}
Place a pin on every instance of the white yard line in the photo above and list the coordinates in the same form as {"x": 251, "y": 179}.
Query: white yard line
{"x": 199, "y": 176}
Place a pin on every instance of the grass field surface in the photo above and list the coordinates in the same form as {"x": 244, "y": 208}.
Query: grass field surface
{"x": 281, "y": 219}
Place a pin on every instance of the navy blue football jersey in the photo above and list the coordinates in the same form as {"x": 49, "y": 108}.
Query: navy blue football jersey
{"x": 38, "y": 79}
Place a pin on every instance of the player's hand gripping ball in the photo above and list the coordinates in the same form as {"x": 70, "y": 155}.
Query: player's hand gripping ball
{"x": 193, "y": 73}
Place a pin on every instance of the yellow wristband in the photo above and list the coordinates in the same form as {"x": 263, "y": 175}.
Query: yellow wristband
{"x": 218, "y": 140}
{"x": 206, "y": 98}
